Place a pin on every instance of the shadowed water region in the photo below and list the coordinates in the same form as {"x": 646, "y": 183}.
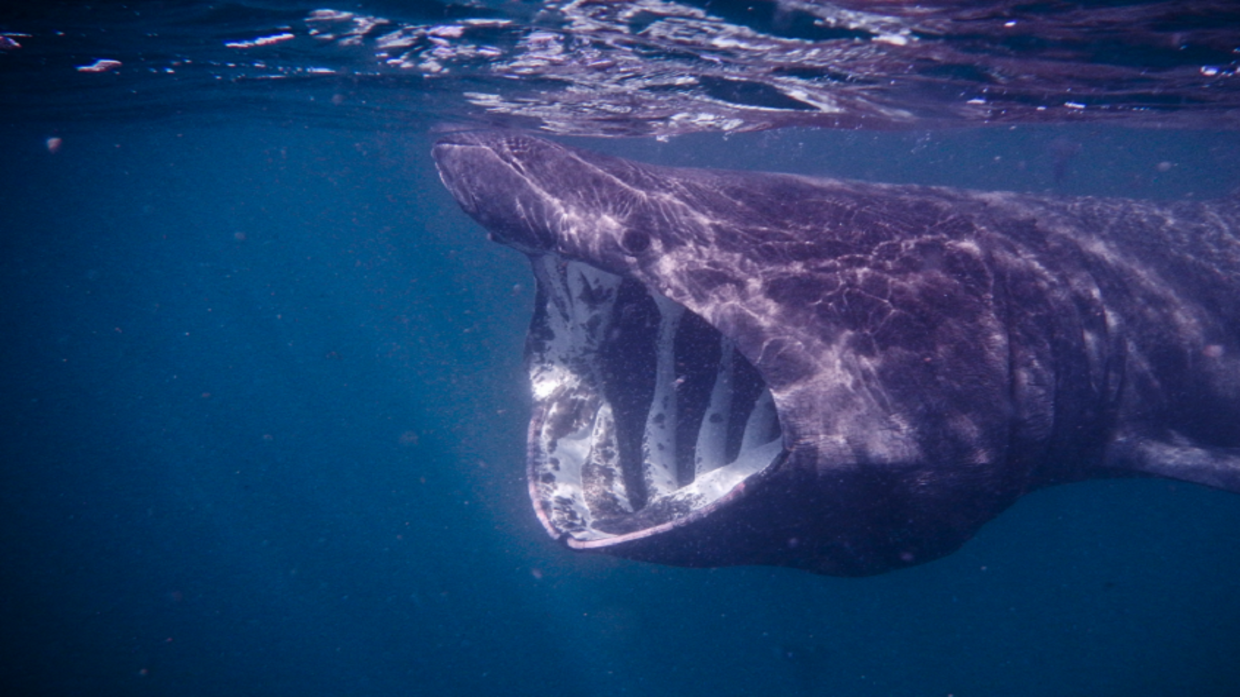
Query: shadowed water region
{"x": 264, "y": 417}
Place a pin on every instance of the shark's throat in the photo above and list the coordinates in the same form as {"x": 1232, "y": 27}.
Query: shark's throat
{"x": 643, "y": 412}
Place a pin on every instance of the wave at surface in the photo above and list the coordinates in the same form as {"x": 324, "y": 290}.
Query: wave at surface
{"x": 649, "y": 67}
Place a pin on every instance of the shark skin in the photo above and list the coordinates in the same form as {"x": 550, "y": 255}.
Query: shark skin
{"x": 846, "y": 377}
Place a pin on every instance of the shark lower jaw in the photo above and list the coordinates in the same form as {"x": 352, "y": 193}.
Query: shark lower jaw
{"x": 645, "y": 417}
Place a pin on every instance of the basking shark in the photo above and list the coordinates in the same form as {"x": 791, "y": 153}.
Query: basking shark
{"x": 846, "y": 377}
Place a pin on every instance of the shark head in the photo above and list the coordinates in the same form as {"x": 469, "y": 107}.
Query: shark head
{"x": 739, "y": 367}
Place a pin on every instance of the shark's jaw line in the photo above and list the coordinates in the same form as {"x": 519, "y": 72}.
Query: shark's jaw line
{"x": 645, "y": 417}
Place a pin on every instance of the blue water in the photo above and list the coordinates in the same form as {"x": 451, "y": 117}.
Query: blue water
{"x": 263, "y": 415}
{"x": 262, "y": 422}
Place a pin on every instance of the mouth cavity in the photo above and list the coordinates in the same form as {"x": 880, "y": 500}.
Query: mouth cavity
{"x": 644, "y": 415}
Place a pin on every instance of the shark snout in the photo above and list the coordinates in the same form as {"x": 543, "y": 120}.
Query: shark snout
{"x": 488, "y": 187}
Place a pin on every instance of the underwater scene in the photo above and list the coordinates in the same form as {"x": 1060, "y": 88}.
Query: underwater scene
{"x": 289, "y": 402}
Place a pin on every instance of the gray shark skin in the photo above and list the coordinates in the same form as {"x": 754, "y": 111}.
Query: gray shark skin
{"x": 846, "y": 377}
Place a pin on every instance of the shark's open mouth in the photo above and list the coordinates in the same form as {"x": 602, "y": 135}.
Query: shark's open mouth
{"x": 644, "y": 415}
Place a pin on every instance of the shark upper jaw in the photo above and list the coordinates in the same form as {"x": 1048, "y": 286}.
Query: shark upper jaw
{"x": 645, "y": 417}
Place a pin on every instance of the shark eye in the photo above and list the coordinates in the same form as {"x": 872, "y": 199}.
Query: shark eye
{"x": 634, "y": 242}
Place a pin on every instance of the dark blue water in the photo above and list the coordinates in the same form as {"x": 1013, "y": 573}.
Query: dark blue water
{"x": 262, "y": 421}
{"x": 263, "y": 416}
